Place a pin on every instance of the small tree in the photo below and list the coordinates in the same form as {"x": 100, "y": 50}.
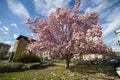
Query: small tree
{"x": 66, "y": 32}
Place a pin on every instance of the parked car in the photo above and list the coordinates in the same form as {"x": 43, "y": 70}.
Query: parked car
{"x": 113, "y": 61}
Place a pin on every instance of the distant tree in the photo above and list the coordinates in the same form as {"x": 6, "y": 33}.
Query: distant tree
{"x": 66, "y": 32}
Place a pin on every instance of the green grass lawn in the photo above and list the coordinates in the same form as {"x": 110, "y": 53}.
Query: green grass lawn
{"x": 48, "y": 73}
{"x": 59, "y": 72}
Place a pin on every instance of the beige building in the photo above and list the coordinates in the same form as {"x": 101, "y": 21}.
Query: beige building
{"x": 92, "y": 56}
{"x": 4, "y": 49}
{"x": 89, "y": 56}
{"x": 20, "y": 45}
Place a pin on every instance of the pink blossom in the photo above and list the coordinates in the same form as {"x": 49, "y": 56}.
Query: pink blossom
{"x": 28, "y": 21}
{"x": 67, "y": 33}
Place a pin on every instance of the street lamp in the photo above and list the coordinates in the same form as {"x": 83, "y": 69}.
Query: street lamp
{"x": 117, "y": 32}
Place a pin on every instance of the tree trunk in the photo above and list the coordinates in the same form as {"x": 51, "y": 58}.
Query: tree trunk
{"x": 81, "y": 56}
{"x": 67, "y": 63}
{"x": 67, "y": 58}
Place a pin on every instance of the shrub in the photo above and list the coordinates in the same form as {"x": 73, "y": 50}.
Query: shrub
{"x": 33, "y": 65}
{"x": 89, "y": 63}
{"x": 26, "y": 57}
{"x": 50, "y": 63}
{"x": 11, "y": 67}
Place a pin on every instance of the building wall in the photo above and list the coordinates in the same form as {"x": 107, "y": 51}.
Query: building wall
{"x": 92, "y": 56}
{"x": 20, "y": 46}
{"x": 89, "y": 56}
{"x": 4, "y": 49}
{"x": 45, "y": 56}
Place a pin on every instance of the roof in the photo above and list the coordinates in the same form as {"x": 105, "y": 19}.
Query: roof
{"x": 21, "y": 36}
{"x": 4, "y": 44}
{"x": 26, "y": 38}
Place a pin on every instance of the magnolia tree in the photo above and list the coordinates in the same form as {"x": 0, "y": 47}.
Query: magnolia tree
{"x": 66, "y": 32}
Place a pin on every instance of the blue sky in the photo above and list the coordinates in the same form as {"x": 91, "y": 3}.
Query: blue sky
{"x": 13, "y": 14}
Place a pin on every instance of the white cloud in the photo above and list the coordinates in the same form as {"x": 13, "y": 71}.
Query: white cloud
{"x": 111, "y": 27}
{"x": 0, "y": 22}
{"x": 14, "y": 25}
{"x": 96, "y": 8}
{"x": 45, "y": 7}
{"x": 1, "y": 29}
{"x": 15, "y": 36}
{"x": 33, "y": 36}
{"x": 113, "y": 40}
{"x": 18, "y": 9}
{"x": 96, "y": 2}
{"x": 3, "y": 33}
{"x": 113, "y": 22}
{"x": 9, "y": 42}
{"x": 109, "y": 17}
{"x": 116, "y": 48}
{"x": 11, "y": 48}
{"x": 105, "y": 13}
{"x": 115, "y": 14}
{"x": 98, "y": 5}
{"x": 1, "y": 40}
{"x": 6, "y": 28}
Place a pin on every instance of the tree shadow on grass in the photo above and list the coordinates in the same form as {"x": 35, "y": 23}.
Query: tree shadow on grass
{"x": 102, "y": 70}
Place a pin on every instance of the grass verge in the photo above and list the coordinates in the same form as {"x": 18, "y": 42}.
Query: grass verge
{"x": 59, "y": 72}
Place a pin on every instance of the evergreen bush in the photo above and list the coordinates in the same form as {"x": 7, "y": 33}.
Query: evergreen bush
{"x": 26, "y": 57}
